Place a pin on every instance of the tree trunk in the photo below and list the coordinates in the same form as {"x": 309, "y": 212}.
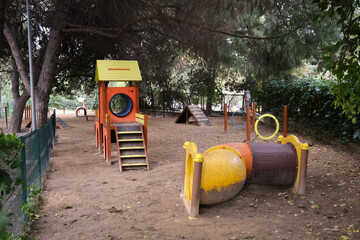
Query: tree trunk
{"x": 42, "y": 104}
{"x": 209, "y": 97}
{"x": 19, "y": 100}
{"x": 49, "y": 64}
{"x": 2, "y": 20}
{"x": 0, "y": 93}
{"x": 17, "y": 115}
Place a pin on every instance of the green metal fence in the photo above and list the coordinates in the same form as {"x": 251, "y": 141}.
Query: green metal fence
{"x": 35, "y": 161}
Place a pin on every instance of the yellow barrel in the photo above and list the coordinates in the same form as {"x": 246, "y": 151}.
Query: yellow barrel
{"x": 223, "y": 175}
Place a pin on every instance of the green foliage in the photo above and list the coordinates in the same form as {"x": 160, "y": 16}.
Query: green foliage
{"x": 10, "y": 150}
{"x": 310, "y": 103}
{"x": 58, "y": 102}
{"x": 292, "y": 38}
{"x": 342, "y": 58}
{"x": 32, "y": 206}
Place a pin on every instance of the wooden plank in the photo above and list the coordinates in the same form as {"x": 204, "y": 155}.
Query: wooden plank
{"x": 133, "y": 156}
{"x": 133, "y": 164}
{"x": 131, "y": 148}
{"x": 130, "y": 140}
{"x": 130, "y": 132}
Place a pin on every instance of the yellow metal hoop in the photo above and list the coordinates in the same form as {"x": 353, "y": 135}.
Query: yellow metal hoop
{"x": 277, "y": 126}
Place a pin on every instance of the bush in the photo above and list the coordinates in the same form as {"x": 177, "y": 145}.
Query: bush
{"x": 10, "y": 150}
{"x": 310, "y": 103}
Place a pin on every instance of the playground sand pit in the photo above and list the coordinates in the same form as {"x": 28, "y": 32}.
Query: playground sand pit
{"x": 84, "y": 198}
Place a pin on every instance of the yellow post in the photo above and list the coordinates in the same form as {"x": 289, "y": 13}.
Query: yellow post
{"x": 303, "y": 168}
{"x": 195, "y": 195}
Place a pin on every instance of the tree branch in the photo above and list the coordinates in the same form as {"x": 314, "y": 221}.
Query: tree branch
{"x": 101, "y": 31}
{"x": 15, "y": 50}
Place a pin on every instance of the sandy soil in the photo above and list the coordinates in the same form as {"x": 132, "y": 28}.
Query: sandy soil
{"x": 86, "y": 199}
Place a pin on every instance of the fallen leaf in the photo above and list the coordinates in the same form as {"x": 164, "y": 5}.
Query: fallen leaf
{"x": 69, "y": 206}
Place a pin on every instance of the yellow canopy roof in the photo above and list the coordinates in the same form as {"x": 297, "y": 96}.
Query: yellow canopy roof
{"x": 117, "y": 70}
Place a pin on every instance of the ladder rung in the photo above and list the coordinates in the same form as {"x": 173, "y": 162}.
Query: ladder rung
{"x": 130, "y": 132}
{"x": 130, "y": 148}
{"x": 133, "y": 156}
{"x": 130, "y": 140}
{"x": 133, "y": 164}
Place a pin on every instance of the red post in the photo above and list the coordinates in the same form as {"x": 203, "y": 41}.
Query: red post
{"x": 137, "y": 96}
{"x": 64, "y": 109}
{"x": 285, "y": 122}
{"x": 225, "y": 119}
{"x": 108, "y": 139}
{"x": 254, "y": 114}
{"x": 248, "y": 123}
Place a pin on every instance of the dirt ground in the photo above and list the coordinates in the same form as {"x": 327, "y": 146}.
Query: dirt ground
{"x": 86, "y": 199}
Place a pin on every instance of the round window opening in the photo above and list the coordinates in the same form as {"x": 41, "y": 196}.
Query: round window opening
{"x": 120, "y": 105}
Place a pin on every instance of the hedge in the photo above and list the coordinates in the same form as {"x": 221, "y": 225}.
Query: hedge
{"x": 310, "y": 104}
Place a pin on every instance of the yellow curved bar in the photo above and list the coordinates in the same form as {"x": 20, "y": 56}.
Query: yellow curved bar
{"x": 276, "y": 130}
{"x": 298, "y": 147}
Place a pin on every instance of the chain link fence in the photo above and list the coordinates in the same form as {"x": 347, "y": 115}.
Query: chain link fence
{"x": 35, "y": 158}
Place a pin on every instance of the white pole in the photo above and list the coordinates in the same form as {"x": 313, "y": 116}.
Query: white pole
{"x": 33, "y": 115}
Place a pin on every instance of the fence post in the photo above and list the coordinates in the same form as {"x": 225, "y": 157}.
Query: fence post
{"x": 39, "y": 148}
{"x": 23, "y": 175}
{"x": 6, "y": 117}
{"x": 225, "y": 118}
{"x": 54, "y": 127}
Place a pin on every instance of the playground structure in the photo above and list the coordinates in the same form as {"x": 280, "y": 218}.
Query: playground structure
{"x": 87, "y": 116}
{"x": 27, "y": 116}
{"x": 196, "y": 113}
{"x": 219, "y": 173}
{"x": 118, "y": 119}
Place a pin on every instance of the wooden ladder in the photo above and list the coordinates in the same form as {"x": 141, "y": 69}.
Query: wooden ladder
{"x": 131, "y": 146}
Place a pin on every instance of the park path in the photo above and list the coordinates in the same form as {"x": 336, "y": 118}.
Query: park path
{"x": 86, "y": 199}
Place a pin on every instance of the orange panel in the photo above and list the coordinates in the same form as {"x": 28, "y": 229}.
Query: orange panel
{"x": 129, "y": 91}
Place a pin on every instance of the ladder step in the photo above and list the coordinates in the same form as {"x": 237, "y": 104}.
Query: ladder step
{"x": 133, "y": 164}
{"x": 130, "y": 140}
{"x": 130, "y": 132}
{"x": 133, "y": 156}
{"x": 131, "y": 148}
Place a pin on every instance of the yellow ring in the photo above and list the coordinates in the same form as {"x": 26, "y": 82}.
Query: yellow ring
{"x": 277, "y": 126}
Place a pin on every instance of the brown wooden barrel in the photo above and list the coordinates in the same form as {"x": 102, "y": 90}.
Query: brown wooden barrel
{"x": 274, "y": 164}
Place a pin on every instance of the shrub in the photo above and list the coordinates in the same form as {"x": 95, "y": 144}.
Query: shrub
{"x": 310, "y": 103}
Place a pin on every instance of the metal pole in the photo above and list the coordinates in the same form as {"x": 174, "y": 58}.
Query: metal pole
{"x": 225, "y": 118}
{"x": 33, "y": 115}
{"x": 6, "y": 117}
